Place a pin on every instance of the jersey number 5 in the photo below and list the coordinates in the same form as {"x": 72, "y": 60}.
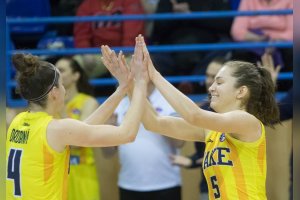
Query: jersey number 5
{"x": 13, "y": 169}
{"x": 215, "y": 186}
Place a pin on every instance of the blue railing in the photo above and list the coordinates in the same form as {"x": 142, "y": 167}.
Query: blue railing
{"x": 162, "y": 16}
{"x": 162, "y": 48}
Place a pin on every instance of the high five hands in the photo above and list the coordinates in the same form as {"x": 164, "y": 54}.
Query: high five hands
{"x": 140, "y": 67}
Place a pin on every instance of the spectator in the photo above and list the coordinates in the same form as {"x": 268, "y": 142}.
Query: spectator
{"x": 150, "y": 8}
{"x": 146, "y": 171}
{"x": 83, "y": 179}
{"x": 64, "y": 8}
{"x": 187, "y": 32}
{"x": 112, "y": 33}
{"x": 266, "y": 28}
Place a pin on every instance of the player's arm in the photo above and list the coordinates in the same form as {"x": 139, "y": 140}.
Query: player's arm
{"x": 105, "y": 110}
{"x": 88, "y": 108}
{"x": 124, "y": 77}
{"x": 173, "y": 127}
{"x": 241, "y": 124}
{"x": 73, "y": 132}
{"x": 170, "y": 126}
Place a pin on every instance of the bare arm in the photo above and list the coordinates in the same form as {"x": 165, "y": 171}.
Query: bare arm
{"x": 89, "y": 107}
{"x": 72, "y": 132}
{"x": 124, "y": 77}
{"x": 243, "y": 125}
{"x": 174, "y": 127}
{"x": 166, "y": 125}
{"x": 105, "y": 110}
{"x": 240, "y": 123}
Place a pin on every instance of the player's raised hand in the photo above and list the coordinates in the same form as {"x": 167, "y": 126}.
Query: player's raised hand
{"x": 147, "y": 58}
{"x": 116, "y": 66}
{"x": 138, "y": 62}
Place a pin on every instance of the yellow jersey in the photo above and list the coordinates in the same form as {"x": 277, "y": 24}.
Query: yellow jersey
{"x": 35, "y": 171}
{"x": 83, "y": 179}
{"x": 235, "y": 169}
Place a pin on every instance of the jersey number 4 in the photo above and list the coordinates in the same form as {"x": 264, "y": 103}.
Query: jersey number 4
{"x": 13, "y": 169}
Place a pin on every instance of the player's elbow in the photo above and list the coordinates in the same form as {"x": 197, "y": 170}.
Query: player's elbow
{"x": 148, "y": 127}
{"x": 127, "y": 135}
{"x": 153, "y": 124}
{"x": 192, "y": 117}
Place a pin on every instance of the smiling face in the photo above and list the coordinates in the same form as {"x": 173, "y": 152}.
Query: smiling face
{"x": 224, "y": 95}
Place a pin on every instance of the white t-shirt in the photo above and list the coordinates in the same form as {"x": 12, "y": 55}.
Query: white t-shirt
{"x": 145, "y": 163}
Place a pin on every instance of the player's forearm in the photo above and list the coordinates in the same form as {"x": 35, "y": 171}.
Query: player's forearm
{"x": 150, "y": 118}
{"x": 132, "y": 119}
{"x": 103, "y": 112}
{"x": 181, "y": 103}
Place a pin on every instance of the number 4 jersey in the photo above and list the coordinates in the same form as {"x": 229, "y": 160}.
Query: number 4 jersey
{"x": 34, "y": 170}
{"x": 235, "y": 169}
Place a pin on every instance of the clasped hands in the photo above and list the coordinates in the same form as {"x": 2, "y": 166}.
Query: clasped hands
{"x": 140, "y": 68}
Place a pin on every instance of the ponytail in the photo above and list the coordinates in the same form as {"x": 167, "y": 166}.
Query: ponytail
{"x": 268, "y": 111}
{"x": 261, "y": 101}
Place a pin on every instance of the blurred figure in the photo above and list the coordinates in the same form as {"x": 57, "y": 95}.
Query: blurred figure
{"x": 63, "y": 8}
{"x": 83, "y": 179}
{"x": 150, "y": 7}
{"x": 179, "y": 32}
{"x": 146, "y": 171}
{"x": 266, "y": 28}
{"x": 196, "y": 159}
{"x": 111, "y": 33}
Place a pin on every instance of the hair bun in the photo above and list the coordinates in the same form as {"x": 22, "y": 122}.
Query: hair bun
{"x": 25, "y": 63}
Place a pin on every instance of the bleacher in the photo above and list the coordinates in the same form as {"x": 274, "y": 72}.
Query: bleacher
{"x": 28, "y": 22}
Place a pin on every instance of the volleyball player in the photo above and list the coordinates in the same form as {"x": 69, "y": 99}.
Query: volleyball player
{"x": 38, "y": 145}
{"x": 242, "y": 94}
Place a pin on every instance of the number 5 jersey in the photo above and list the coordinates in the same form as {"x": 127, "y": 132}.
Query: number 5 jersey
{"x": 235, "y": 169}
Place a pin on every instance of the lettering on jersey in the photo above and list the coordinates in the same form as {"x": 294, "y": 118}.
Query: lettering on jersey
{"x": 217, "y": 157}
{"x": 19, "y": 136}
{"x": 26, "y": 124}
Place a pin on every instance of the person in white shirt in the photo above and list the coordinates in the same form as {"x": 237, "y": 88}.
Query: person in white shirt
{"x": 146, "y": 170}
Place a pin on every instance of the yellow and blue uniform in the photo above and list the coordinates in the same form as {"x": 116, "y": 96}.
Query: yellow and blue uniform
{"x": 83, "y": 180}
{"x": 35, "y": 171}
{"x": 235, "y": 169}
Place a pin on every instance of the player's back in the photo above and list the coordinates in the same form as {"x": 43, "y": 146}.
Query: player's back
{"x": 34, "y": 170}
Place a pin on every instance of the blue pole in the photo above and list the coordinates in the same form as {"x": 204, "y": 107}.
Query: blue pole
{"x": 163, "y": 48}
{"x": 160, "y": 16}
